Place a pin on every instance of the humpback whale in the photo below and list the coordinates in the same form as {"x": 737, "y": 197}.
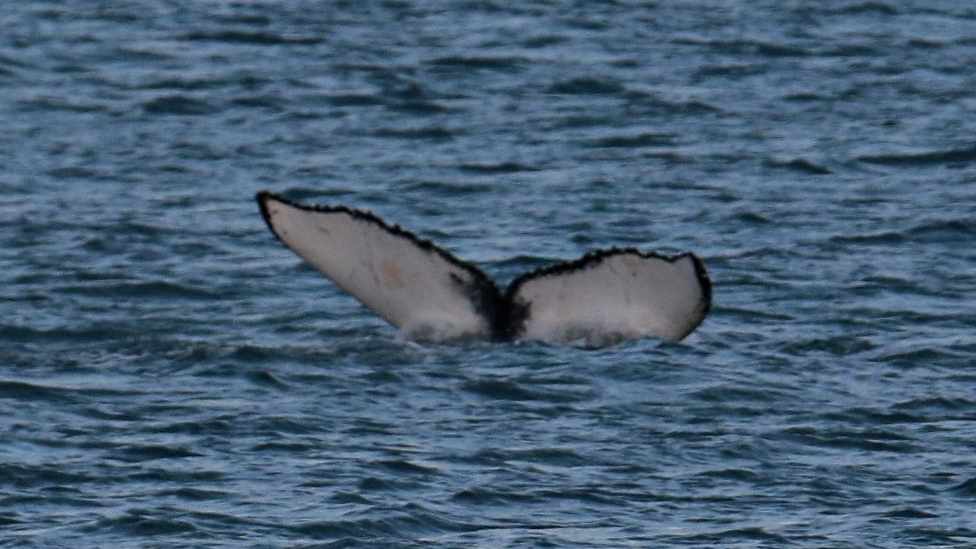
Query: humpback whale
{"x": 427, "y": 293}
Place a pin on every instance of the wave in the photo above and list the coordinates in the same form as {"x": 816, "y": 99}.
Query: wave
{"x": 67, "y": 104}
{"x": 634, "y": 141}
{"x": 411, "y": 521}
{"x": 934, "y": 231}
{"x": 101, "y": 332}
{"x": 735, "y": 536}
{"x": 501, "y": 167}
{"x": 149, "y": 289}
{"x": 801, "y": 165}
{"x": 587, "y": 86}
{"x": 257, "y": 38}
{"x": 22, "y": 390}
{"x": 144, "y": 522}
{"x": 748, "y": 47}
{"x": 355, "y": 100}
{"x": 962, "y": 155}
{"x": 432, "y": 133}
{"x": 179, "y": 104}
{"x": 872, "y": 439}
{"x": 449, "y": 189}
{"x": 150, "y": 452}
{"x": 507, "y": 389}
{"x": 504, "y": 64}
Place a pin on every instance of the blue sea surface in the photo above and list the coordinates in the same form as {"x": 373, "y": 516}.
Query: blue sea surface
{"x": 171, "y": 376}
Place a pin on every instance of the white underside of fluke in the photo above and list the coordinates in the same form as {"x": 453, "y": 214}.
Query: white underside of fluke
{"x": 612, "y": 298}
{"x": 414, "y": 289}
{"x": 428, "y": 294}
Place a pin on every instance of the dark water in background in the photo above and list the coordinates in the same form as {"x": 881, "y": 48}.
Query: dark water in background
{"x": 170, "y": 376}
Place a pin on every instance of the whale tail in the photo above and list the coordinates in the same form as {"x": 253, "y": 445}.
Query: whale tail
{"x": 429, "y": 294}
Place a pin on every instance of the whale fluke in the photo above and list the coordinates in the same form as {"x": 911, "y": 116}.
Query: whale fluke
{"x": 613, "y": 295}
{"x": 429, "y": 294}
{"x": 414, "y": 285}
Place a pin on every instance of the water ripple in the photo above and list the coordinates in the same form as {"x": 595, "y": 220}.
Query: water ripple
{"x": 179, "y": 104}
{"x": 963, "y": 155}
{"x": 170, "y": 373}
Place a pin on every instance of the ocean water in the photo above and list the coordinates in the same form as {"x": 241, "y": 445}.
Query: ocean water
{"x": 171, "y": 376}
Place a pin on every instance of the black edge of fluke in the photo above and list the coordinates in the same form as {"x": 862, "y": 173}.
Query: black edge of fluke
{"x": 704, "y": 281}
{"x": 262, "y": 197}
{"x": 485, "y": 294}
{"x": 595, "y": 258}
